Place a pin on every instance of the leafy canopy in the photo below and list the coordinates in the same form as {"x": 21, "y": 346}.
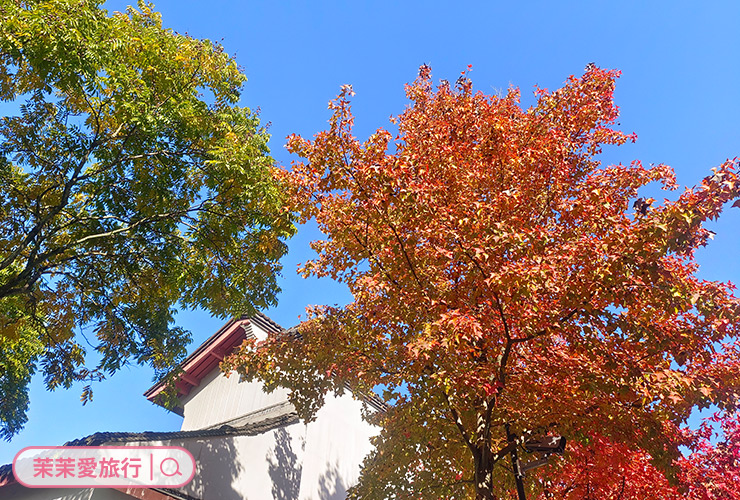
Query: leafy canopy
{"x": 131, "y": 180}
{"x": 501, "y": 277}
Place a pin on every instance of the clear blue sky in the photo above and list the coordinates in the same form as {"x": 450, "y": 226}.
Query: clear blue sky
{"x": 679, "y": 91}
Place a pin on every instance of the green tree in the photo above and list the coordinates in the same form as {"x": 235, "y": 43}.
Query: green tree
{"x": 132, "y": 181}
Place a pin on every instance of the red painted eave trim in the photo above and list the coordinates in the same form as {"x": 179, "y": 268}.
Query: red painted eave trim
{"x": 206, "y": 358}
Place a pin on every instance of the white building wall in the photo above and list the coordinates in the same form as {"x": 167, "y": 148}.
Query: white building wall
{"x": 317, "y": 461}
{"x": 258, "y": 332}
{"x": 253, "y": 467}
{"x": 336, "y": 444}
{"x": 219, "y": 399}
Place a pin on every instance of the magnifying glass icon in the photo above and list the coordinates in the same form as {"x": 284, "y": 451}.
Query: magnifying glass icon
{"x": 169, "y": 468}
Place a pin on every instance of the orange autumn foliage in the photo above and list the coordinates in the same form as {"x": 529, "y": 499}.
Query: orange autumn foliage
{"x": 501, "y": 274}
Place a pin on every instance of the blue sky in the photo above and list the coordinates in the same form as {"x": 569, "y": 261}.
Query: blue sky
{"x": 679, "y": 91}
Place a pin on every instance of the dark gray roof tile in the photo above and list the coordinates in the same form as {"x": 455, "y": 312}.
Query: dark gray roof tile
{"x": 251, "y": 429}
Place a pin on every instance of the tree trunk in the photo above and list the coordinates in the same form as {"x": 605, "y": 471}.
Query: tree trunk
{"x": 483, "y": 476}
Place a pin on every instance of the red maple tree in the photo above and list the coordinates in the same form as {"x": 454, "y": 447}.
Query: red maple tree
{"x": 504, "y": 277}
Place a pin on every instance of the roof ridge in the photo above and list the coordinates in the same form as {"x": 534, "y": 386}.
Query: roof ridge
{"x": 263, "y": 320}
{"x": 251, "y": 429}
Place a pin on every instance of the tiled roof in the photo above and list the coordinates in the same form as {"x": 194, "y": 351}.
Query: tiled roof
{"x": 251, "y": 429}
{"x": 178, "y": 495}
{"x": 265, "y": 322}
{"x": 371, "y": 399}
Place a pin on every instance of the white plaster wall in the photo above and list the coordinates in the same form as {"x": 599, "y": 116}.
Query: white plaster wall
{"x": 336, "y": 444}
{"x": 318, "y": 461}
{"x": 218, "y": 399}
{"x": 258, "y": 332}
{"x": 266, "y": 466}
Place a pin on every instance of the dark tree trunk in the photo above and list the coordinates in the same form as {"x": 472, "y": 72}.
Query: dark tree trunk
{"x": 484, "y": 476}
